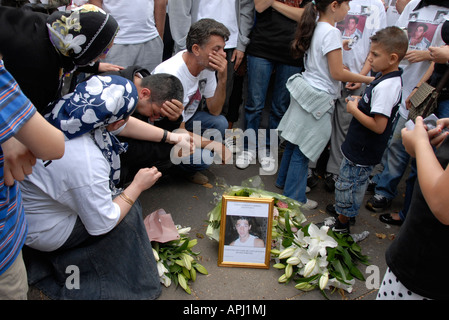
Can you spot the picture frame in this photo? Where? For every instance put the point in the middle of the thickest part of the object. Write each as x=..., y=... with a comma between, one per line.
x=245, y=232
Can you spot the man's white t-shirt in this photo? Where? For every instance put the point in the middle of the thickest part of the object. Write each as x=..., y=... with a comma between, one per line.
x=135, y=19
x=413, y=72
x=370, y=16
x=221, y=10
x=75, y=185
x=326, y=38
x=194, y=87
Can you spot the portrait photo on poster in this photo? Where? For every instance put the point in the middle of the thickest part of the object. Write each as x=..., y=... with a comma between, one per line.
x=245, y=232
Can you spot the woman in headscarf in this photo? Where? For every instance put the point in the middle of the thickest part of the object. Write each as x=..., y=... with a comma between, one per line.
x=39, y=49
x=76, y=216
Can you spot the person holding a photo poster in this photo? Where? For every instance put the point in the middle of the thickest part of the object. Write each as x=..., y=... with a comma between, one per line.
x=415, y=65
x=363, y=20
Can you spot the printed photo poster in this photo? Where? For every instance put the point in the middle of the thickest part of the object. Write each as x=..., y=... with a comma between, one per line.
x=421, y=31
x=246, y=221
x=354, y=24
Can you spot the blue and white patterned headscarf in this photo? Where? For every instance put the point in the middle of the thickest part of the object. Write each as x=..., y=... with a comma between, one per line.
x=92, y=106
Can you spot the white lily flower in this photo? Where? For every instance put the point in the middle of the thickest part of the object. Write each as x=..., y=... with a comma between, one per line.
x=304, y=286
x=337, y=284
x=299, y=238
x=324, y=280
x=318, y=240
x=161, y=269
x=156, y=255
x=166, y=281
x=287, y=253
x=293, y=260
x=183, y=230
x=309, y=268
x=288, y=270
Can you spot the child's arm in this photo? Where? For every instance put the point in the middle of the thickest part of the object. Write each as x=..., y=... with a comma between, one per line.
x=36, y=139
x=335, y=60
x=356, y=85
x=43, y=139
x=376, y=124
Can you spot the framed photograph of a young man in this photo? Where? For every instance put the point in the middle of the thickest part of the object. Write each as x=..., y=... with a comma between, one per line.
x=245, y=232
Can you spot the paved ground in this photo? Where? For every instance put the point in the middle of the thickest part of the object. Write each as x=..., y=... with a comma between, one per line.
x=189, y=205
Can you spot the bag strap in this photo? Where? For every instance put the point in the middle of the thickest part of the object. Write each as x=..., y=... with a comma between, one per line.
x=436, y=93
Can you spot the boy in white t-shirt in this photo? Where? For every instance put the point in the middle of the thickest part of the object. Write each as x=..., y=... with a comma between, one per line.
x=367, y=17
x=372, y=122
x=415, y=65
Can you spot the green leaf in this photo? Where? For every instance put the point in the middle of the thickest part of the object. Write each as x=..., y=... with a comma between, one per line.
x=356, y=273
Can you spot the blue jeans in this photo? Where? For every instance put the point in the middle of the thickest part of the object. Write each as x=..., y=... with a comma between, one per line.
x=292, y=174
x=443, y=109
x=350, y=187
x=200, y=123
x=259, y=74
x=395, y=163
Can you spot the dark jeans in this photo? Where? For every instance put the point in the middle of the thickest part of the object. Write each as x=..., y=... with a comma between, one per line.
x=118, y=265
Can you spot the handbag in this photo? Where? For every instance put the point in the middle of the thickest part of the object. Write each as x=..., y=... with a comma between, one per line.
x=425, y=99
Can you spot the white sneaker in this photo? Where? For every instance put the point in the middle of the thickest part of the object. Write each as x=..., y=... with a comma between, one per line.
x=244, y=159
x=268, y=164
x=310, y=204
x=231, y=144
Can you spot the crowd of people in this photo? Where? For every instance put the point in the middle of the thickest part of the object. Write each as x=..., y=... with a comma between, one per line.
x=99, y=98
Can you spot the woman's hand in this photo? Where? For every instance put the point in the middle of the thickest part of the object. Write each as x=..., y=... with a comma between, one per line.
x=145, y=178
x=104, y=67
x=412, y=138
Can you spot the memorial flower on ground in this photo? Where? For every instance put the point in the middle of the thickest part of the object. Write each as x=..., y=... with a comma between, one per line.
x=313, y=257
x=316, y=258
x=176, y=262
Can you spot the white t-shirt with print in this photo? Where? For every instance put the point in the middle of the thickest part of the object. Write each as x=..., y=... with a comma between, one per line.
x=194, y=87
x=221, y=10
x=392, y=13
x=75, y=185
x=135, y=19
x=412, y=20
x=364, y=18
x=326, y=38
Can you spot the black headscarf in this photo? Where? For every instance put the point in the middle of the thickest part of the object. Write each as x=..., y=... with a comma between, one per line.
x=425, y=3
x=82, y=34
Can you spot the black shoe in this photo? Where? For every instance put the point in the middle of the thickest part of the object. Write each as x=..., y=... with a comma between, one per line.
x=312, y=179
x=330, y=208
x=335, y=225
x=329, y=181
x=378, y=203
x=387, y=218
x=371, y=186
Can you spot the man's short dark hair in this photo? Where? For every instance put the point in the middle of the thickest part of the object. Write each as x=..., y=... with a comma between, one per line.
x=201, y=31
x=164, y=87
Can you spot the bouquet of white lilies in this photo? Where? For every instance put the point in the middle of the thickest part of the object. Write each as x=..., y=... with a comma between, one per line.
x=315, y=257
x=312, y=257
x=176, y=262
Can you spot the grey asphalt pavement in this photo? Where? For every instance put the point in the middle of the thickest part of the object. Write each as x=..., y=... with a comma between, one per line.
x=189, y=205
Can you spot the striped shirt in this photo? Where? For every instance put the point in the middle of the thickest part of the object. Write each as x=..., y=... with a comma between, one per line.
x=15, y=110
